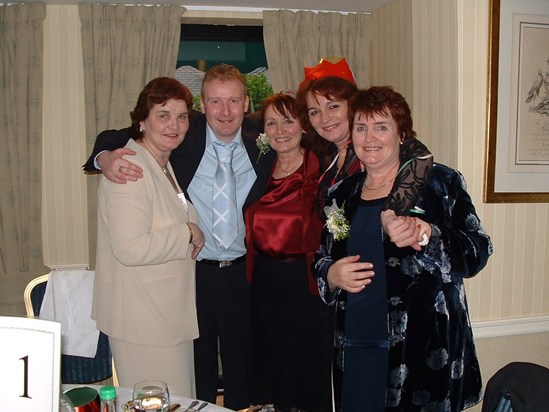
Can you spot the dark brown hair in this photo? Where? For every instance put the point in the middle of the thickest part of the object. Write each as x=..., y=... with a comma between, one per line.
x=158, y=91
x=384, y=101
x=285, y=105
x=333, y=88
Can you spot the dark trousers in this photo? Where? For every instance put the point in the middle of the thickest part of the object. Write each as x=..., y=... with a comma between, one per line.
x=223, y=308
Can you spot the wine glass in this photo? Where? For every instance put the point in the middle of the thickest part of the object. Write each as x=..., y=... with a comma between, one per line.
x=151, y=396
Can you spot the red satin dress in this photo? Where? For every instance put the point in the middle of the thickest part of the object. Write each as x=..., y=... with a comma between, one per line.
x=289, y=321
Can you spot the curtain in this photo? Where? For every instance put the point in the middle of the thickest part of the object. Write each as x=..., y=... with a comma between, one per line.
x=294, y=40
x=123, y=47
x=21, y=48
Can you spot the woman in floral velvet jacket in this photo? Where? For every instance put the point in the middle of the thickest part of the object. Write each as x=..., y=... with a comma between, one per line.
x=403, y=338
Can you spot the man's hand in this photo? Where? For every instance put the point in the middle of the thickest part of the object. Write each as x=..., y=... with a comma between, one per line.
x=404, y=230
x=198, y=239
x=349, y=274
x=116, y=168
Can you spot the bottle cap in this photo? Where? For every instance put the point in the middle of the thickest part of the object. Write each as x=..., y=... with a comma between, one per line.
x=107, y=392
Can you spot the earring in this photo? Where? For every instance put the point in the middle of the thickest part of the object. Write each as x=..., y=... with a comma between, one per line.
x=142, y=129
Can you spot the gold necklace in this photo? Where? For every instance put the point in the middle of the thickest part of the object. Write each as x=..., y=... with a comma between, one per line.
x=287, y=173
x=380, y=187
x=145, y=143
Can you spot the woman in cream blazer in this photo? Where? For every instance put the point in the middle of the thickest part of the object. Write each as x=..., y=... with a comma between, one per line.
x=144, y=292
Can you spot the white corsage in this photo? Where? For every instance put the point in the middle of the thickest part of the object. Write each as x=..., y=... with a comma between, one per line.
x=336, y=222
x=263, y=144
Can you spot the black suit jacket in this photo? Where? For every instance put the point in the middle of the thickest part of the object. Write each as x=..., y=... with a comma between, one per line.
x=187, y=156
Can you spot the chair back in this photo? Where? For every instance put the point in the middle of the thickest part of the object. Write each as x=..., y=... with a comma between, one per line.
x=30, y=359
x=518, y=387
x=74, y=369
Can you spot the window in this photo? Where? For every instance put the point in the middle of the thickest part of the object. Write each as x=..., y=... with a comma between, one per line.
x=205, y=45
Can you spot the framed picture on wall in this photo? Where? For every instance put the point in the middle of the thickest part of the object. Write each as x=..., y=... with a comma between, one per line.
x=517, y=155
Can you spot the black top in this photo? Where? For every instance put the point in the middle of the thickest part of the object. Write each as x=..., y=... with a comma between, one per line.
x=366, y=311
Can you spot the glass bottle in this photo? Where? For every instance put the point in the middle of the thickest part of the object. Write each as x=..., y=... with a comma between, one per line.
x=107, y=395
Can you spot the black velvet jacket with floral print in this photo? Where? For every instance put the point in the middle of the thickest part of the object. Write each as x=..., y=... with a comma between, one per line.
x=432, y=360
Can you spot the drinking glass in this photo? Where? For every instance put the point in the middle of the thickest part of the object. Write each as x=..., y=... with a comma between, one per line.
x=65, y=404
x=151, y=396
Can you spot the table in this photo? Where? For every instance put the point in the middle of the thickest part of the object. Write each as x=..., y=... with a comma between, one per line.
x=123, y=395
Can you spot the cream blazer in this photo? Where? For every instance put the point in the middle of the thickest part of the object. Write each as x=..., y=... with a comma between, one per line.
x=144, y=289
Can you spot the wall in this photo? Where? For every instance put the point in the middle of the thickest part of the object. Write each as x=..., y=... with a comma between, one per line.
x=64, y=217
x=516, y=281
x=392, y=52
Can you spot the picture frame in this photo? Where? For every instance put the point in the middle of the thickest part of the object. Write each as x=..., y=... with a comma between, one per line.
x=517, y=132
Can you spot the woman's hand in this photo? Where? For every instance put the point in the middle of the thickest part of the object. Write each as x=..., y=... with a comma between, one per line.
x=405, y=231
x=349, y=274
x=198, y=239
x=116, y=168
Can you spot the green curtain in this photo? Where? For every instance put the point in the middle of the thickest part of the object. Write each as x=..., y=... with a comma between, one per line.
x=294, y=40
x=21, y=50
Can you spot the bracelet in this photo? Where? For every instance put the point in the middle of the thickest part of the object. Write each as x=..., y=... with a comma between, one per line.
x=190, y=234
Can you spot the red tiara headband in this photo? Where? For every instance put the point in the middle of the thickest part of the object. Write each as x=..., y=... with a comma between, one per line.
x=330, y=67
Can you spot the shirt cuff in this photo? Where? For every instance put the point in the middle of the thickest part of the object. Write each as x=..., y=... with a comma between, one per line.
x=95, y=164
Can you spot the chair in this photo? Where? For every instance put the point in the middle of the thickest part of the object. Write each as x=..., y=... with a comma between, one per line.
x=74, y=369
x=518, y=387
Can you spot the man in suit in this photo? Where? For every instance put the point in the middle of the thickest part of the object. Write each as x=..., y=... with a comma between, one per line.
x=221, y=287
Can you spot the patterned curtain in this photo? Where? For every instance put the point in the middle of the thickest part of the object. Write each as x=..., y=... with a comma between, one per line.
x=21, y=48
x=294, y=40
x=123, y=47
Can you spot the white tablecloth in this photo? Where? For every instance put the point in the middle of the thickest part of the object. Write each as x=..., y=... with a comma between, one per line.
x=123, y=395
x=68, y=299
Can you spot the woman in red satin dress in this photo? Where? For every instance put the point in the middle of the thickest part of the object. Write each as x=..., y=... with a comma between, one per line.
x=282, y=235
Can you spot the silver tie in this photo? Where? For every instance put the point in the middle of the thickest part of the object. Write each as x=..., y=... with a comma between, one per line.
x=225, y=229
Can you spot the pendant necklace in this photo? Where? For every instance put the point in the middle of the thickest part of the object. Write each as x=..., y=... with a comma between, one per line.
x=285, y=173
x=288, y=172
x=165, y=170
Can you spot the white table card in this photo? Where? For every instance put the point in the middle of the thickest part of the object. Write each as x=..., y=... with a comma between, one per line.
x=30, y=361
